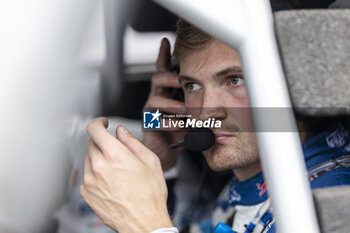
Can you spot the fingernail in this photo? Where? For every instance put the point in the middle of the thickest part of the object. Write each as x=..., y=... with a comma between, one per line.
x=163, y=42
x=123, y=130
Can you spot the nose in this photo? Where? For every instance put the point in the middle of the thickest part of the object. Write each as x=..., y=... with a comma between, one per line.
x=212, y=106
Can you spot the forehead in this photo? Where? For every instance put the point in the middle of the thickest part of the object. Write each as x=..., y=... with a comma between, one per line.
x=211, y=59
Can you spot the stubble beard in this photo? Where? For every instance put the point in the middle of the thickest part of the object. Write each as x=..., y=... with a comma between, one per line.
x=232, y=156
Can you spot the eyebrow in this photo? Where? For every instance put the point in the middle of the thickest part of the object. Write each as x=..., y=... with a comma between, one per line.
x=186, y=78
x=234, y=69
x=224, y=72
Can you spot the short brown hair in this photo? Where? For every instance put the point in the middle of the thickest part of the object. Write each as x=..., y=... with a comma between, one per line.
x=189, y=37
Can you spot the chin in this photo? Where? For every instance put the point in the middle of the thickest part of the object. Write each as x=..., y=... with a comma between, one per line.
x=219, y=158
x=218, y=167
x=227, y=157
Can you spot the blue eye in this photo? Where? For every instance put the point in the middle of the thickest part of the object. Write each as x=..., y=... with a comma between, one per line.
x=192, y=87
x=236, y=80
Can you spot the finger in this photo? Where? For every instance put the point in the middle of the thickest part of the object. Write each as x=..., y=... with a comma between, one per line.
x=132, y=143
x=173, y=125
x=93, y=150
x=87, y=165
x=165, y=79
x=166, y=105
x=170, y=125
x=96, y=159
x=175, y=137
x=103, y=139
x=87, y=178
x=163, y=60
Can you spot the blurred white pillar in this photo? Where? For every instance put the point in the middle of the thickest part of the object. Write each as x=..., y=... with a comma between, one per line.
x=44, y=81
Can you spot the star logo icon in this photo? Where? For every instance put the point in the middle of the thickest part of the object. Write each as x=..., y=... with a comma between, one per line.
x=156, y=115
x=151, y=120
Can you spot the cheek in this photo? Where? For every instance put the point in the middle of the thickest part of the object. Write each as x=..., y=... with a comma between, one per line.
x=232, y=97
x=240, y=110
x=243, y=118
x=192, y=106
x=192, y=101
x=240, y=95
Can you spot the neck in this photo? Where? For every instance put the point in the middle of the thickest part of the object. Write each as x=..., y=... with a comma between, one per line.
x=247, y=172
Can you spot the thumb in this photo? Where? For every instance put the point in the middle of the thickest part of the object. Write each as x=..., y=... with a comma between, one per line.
x=132, y=143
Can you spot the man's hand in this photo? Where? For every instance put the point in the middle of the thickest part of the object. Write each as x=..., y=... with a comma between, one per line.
x=160, y=98
x=123, y=181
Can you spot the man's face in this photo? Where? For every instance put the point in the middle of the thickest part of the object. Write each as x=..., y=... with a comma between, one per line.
x=213, y=82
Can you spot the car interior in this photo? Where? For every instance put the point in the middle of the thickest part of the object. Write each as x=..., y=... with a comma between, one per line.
x=113, y=46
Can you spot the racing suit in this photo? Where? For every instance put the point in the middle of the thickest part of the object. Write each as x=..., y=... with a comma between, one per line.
x=245, y=206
